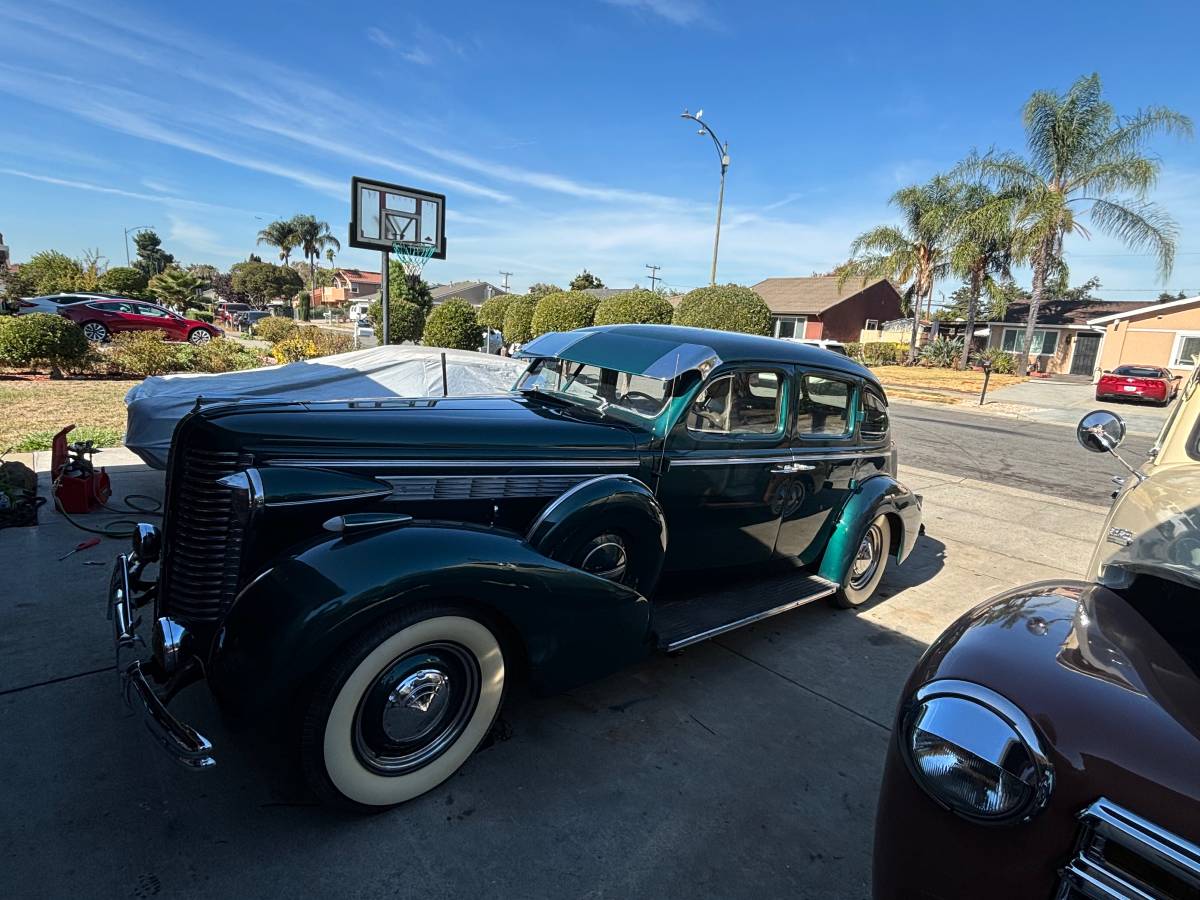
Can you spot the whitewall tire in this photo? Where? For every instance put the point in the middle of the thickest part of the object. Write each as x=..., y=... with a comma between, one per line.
x=868, y=565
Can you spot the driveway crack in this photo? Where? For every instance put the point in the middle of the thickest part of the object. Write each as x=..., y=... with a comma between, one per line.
x=49, y=681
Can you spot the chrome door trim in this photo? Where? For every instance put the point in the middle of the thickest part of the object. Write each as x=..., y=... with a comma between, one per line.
x=456, y=463
x=799, y=457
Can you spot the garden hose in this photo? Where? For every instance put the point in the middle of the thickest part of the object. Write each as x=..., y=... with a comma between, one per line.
x=110, y=529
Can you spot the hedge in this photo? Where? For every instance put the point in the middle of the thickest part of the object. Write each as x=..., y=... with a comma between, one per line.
x=518, y=319
x=491, y=314
x=43, y=339
x=452, y=325
x=878, y=353
x=406, y=321
x=274, y=328
x=725, y=307
x=563, y=311
x=638, y=306
x=310, y=342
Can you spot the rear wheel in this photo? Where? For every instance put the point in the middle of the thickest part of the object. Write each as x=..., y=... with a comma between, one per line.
x=95, y=332
x=199, y=336
x=400, y=710
x=867, y=567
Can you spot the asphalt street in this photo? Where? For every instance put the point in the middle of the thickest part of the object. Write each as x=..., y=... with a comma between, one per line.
x=1040, y=458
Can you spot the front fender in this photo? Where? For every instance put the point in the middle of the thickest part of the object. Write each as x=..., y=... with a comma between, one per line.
x=285, y=624
x=875, y=495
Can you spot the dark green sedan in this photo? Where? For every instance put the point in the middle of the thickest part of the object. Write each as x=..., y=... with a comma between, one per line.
x=374, y=571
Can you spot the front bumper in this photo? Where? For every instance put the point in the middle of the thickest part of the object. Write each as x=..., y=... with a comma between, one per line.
x=181, y=742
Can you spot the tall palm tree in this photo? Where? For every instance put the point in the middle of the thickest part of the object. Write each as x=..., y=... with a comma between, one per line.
x=914, y=253
x=313, y=237
x=982, y=246
x=282, y=235
x=1083, y=158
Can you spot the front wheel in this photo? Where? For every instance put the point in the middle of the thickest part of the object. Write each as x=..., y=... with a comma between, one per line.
x=400, y=710
x=867, y=567
x=95, y=332
x=199, y=336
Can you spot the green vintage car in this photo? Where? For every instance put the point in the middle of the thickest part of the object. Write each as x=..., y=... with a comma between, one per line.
x=380, y=569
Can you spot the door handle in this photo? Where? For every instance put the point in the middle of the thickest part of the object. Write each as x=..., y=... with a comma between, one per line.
x=791, y=468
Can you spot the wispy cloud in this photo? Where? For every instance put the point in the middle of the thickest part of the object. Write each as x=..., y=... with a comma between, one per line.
x=77, y=185
x=380, y=38
x=677, y=12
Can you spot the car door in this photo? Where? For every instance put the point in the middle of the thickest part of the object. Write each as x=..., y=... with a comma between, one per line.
x=117, y=315
x=154, y=317
x=727, y=461
x=825, y=446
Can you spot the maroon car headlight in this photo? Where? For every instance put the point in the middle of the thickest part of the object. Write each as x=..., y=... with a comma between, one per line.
x=975, y=753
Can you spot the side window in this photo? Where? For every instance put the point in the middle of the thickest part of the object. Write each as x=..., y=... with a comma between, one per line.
x=874, y=417
x=823, y=407
x=741, y=403
x=143, y=310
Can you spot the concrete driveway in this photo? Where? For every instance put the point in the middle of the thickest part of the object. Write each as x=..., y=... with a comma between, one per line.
x=1066, y=402
x=747, y=766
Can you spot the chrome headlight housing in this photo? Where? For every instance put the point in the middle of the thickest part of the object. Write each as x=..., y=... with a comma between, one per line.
x=975, y=753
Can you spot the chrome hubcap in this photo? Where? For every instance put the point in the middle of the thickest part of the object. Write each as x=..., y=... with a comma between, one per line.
x=415, y=705
x=866, y=560
x=605, y=556
x=201, y=337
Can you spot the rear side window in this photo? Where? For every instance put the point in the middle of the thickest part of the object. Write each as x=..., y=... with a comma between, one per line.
x=823, y=407
x=874, y=425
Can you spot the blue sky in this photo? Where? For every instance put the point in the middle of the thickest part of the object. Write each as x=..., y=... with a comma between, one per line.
x=553, y=127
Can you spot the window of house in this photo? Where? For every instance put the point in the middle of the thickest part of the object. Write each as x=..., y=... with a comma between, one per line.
x=873, y=409
x=823, y=407
x=871, y=325
x=354, y=287
x=790, y=326
x=1045, y=341
x=1187, y=348
x=742, y=403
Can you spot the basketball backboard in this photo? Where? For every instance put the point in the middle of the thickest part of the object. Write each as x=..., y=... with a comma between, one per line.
x=383, y=214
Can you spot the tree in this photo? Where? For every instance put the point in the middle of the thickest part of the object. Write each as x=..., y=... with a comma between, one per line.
x=914, y=253
x=406, y=321
x=491, y=313
x=640, y=306
x=281, y=235
x=982, y=246
x=413, y=290
x=175, y=286
x=725, y=307
x=91, y=268
x=42, y=339
x=49, y=272
x=563, y=311
x=313, y=237
x=1167, y=297
x=585, y=280
x=540, y=289
x=151, y=258
x=518, y=319
x=1083, y=158
x=304, y=300
x=263, y=282
x=452, y=325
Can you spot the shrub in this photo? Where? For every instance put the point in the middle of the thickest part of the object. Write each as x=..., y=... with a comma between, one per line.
x=218, y=355
x=725, y=307
x=202, y=315
x=308, y=343
x=518, y=319
x=305, y=302
x=563, y=311
x=452, y=325
x=145, y=353
x=1002, y=363
x=638, y=306
x=942, y=353
x=491, y=314
x=123, y=280
x=42, y=339
x=274, y=328
x=406, y=322
x=881, y=353
x=50, y=271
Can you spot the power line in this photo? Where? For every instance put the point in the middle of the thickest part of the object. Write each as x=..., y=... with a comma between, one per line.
x=506, y=277
x=653, y=275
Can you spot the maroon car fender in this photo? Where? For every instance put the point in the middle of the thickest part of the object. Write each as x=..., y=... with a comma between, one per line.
x=1116, y=711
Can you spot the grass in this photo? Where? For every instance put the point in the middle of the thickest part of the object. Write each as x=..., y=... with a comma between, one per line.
x=33, y=411
x=939, y=379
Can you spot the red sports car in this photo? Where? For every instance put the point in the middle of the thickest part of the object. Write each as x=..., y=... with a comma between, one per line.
x=103, y=318
x=1138, y=383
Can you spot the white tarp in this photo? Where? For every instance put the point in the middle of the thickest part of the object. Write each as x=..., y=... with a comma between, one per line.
x=159, y=402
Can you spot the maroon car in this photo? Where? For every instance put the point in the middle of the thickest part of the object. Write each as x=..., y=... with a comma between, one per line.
x=104, y=318
x=1152, y=383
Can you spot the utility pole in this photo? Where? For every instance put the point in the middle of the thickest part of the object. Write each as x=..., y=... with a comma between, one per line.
x=506, y=276
x=654, y=279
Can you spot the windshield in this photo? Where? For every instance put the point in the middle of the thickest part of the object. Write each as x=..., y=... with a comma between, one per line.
x=605, y=390
x=1138, y=371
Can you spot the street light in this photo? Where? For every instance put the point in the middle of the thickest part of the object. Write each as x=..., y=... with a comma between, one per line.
x=723, y=156
x=127, y=230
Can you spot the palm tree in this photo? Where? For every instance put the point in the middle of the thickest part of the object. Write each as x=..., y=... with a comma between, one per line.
x=982, y=246
x=281, y=234
x=313, y=238
x=1083, y=158
x=914, y=253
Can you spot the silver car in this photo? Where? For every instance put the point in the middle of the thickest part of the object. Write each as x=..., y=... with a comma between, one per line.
x=51, y=303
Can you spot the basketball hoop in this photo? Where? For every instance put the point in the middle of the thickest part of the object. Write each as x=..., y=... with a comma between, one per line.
x=412, y=258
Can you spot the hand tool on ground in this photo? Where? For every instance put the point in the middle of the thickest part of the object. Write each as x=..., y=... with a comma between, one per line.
x=82, y=545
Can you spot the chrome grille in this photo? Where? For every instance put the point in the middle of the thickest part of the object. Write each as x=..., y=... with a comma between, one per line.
x=1121, y=855
x=479, y=487
x=204, y=549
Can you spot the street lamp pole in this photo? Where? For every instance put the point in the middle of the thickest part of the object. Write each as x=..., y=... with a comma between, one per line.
x=127, y=230
x=723, y=156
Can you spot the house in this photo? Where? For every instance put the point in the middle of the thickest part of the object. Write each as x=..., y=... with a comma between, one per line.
x=348, y=284
x=817, y=307
x=1156, y=334
x=1064, y=340
x=474, y=292
x=5, y=257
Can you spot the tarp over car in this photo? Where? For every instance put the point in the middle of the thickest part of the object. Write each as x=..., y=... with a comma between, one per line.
x=156, y=405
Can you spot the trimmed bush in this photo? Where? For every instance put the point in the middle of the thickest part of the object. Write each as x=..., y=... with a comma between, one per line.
x=452, y=325
x=274, y=328
x=518, y=319
x=42, y=340
x=309, y=343
x=305, y=304
x=639, y=307
x=563, y=311
x=725, y=307
x=200, y=315
x=491, y=314
x=145, y=353
x=1002, y=363
x=880, y=353
x=123, y=280
x=406, y=322
x=217, y=355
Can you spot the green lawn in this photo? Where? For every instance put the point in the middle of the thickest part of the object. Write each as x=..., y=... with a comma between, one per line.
x=31, y=412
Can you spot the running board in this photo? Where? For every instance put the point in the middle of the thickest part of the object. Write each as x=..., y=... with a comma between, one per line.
x=682, y=622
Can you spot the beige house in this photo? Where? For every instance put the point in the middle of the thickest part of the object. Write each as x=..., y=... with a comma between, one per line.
x=1158, y=334
x=1064, y=340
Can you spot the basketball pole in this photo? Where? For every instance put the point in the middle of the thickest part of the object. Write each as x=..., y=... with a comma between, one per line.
x=384, y=297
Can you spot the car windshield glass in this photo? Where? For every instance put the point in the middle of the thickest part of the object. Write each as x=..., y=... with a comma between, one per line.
x=605, y=390
x=1138, y=371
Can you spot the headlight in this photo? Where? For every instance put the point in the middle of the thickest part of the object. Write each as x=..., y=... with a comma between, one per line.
x=975, y=753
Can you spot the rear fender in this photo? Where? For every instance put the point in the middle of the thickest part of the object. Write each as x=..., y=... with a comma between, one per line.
x=285, y=624
x=873, y=496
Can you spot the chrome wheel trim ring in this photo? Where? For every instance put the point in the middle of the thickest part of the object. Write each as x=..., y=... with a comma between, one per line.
x=866, y=559
x=605, y=557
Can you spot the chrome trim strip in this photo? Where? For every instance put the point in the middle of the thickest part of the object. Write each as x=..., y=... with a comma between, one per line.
x=799, y=457
x=558, y=501
x=456, y=463
x=829, y=588
x=365, y=495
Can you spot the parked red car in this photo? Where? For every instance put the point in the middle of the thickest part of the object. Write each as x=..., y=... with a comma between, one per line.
x=226, y=311
x=103, y=318
x=1138, y=383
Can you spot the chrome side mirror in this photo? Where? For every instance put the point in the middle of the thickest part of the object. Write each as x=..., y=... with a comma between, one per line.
x=1100, y=431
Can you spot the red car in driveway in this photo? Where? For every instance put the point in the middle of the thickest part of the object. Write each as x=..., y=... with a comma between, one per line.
x=1138, y=383
x=103, y=318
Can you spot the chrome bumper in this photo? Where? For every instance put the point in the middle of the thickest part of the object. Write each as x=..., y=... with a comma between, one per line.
x=181, y=742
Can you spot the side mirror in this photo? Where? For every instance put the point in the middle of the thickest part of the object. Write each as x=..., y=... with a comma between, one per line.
x=1100, y=431
x=1106, y=371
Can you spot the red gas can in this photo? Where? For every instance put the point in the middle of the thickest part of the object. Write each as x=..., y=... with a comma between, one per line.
x=79, y=486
